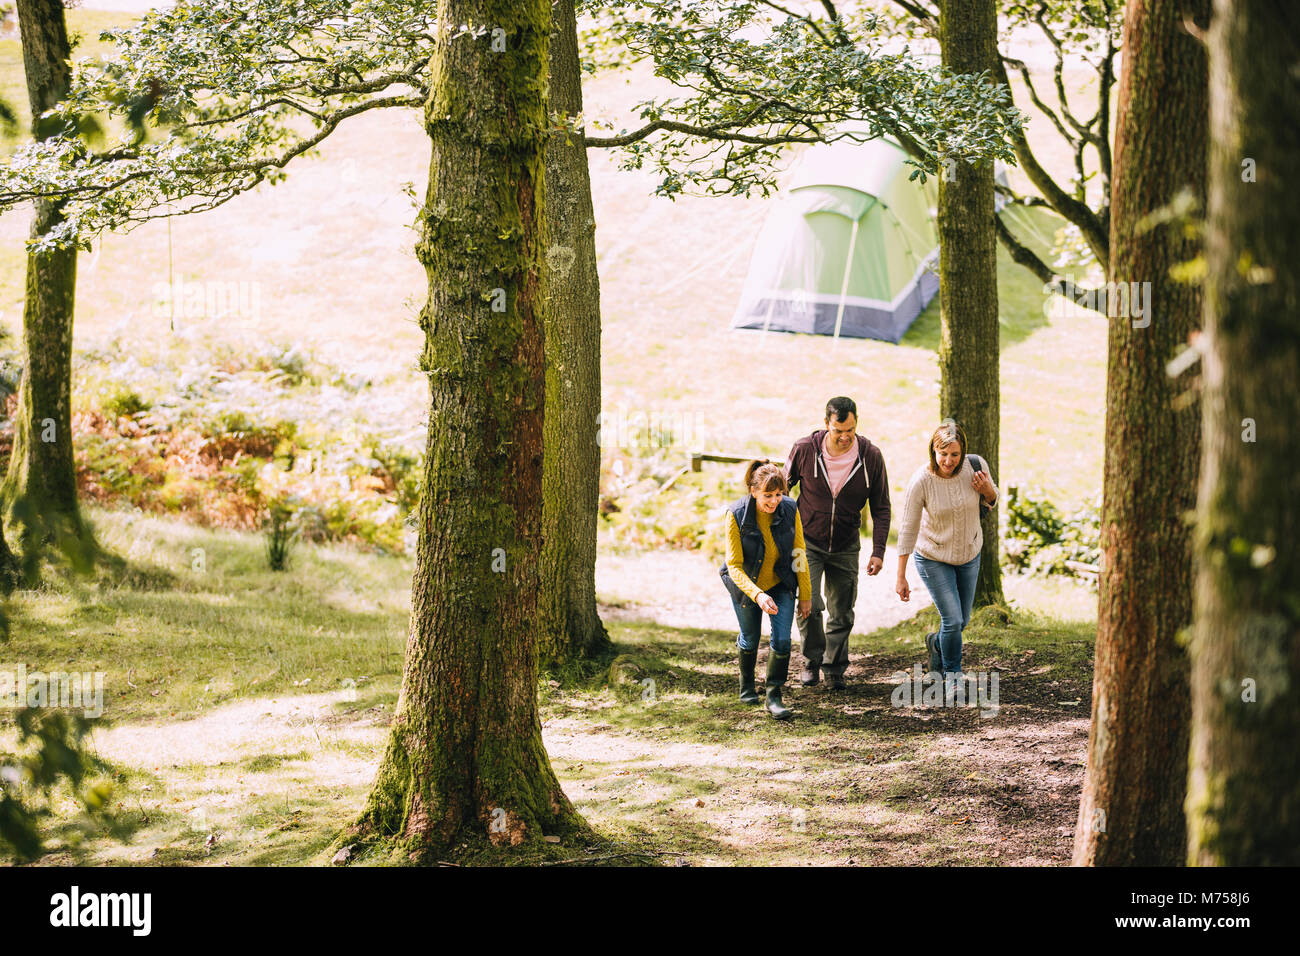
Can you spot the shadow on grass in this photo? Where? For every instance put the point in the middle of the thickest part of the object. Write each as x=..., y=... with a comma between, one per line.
x=663, y=751
x=211, y=638
x=73, y=839
x=1043, y=666
x=1020, y=293
x=652, y=746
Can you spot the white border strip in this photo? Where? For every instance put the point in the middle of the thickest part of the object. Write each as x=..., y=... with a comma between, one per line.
x=828, y=298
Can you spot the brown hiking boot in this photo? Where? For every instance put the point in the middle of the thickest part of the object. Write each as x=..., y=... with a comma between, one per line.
x=809, y=675
x=835, y=681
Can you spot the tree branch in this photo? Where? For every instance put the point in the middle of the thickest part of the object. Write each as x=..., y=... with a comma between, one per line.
x=1023, y=255
x=1019, y=66
x=812, y=24
x=923, y=16
x=1072, y=209
x=329, y=123
x=716, y=132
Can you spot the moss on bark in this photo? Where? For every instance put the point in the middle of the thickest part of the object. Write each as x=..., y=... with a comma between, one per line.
x=39, y=492
x=969, y=348
x=1132, y=807
x=465, y=758
x=1243, y=795
x=569, y=629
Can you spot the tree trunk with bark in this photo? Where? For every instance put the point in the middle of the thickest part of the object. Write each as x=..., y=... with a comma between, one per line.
x=569, y=627
x=465, y=759
x=1131, y=813
x=969, y=353
x=40, y=486
x=1243, y=801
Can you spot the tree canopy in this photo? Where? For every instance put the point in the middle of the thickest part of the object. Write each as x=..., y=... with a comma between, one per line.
x=209, y=100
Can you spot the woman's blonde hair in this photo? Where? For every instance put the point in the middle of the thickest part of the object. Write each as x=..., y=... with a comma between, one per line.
x=947, y=433
x=762, y=475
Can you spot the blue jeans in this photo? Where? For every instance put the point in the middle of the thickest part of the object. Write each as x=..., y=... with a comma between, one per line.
x=952, y=587
x=751, y=619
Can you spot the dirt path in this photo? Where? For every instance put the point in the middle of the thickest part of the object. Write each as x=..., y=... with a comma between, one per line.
x=853, y=779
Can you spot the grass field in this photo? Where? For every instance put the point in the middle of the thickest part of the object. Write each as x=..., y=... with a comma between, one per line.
x=245, y=712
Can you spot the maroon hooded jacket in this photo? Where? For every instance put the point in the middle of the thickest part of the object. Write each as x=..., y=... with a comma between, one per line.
x=831, y=522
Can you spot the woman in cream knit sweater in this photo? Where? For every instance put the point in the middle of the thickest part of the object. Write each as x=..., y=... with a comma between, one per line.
x=941, y=524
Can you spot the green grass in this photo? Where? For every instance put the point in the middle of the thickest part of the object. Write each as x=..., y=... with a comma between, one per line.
x=760, y=393
x=200, y=620
x=1020, y=294
x=222, y=753
x=850, y=778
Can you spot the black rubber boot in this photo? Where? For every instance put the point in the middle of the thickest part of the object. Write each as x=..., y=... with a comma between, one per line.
x=747, y=661
x=778, y=668
x=932, y=647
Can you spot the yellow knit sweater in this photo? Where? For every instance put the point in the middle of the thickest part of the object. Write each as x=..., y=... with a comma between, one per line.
x=767, y=572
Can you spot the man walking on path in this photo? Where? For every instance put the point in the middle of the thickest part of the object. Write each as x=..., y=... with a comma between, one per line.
x=838, y=472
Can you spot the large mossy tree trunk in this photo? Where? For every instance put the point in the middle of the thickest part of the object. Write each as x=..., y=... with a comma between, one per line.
x=40, y=486
x=1243, y=800
x=465, y=759
x=568, y=626
x=1131, y=813
x=969, y=353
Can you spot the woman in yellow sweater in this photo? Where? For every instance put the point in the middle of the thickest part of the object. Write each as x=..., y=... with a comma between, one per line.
x=766, y=565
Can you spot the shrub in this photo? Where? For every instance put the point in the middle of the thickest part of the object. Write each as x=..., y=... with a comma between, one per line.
x=402, y=471
x=231, y=429
x=124, y=403
x=232, y=433
x=1039, y=539
x=639, y=509
x=281, y=532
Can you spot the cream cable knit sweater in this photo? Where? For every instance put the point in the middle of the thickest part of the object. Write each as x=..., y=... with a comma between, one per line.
x=941, y=516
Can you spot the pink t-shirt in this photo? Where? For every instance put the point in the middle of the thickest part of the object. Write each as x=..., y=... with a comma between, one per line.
x=837, y=469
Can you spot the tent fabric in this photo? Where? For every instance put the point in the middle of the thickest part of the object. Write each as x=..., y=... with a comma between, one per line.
x=851, y=250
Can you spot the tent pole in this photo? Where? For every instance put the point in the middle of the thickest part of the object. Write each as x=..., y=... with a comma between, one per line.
x=844, y=286
x=767, y=319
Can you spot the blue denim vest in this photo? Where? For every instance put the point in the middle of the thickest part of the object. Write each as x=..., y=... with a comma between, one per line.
x=753, y=549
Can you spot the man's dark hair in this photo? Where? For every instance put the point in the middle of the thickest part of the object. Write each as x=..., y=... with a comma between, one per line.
x=841, y=408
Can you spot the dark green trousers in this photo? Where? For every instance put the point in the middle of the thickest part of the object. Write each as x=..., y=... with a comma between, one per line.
x=825, y=643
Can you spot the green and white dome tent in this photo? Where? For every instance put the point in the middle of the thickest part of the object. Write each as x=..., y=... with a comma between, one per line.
x=851, y=250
